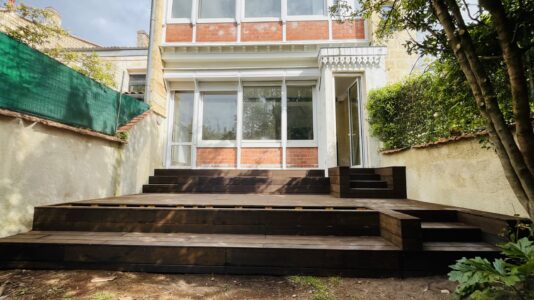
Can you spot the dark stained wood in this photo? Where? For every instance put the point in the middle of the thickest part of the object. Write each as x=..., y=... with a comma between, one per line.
x=208, y=220
x=385, y=183
x=402, y=230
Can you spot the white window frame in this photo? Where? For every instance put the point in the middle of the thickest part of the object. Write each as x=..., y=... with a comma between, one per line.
x=323, y=17
x=217, y=20
x=213, y=143
x=240, y=14
x=171, y=20
x=239, y=143
x=244, y=17
x=170, y=123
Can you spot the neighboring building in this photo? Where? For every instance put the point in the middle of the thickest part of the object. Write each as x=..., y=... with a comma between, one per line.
x=129, y=63
x=265, y=84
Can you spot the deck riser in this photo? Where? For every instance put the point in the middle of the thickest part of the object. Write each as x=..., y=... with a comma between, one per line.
x=229, y=260
x=264, y=173
x=238, y=189
x=203, y=180
x=451, y=235
x=237, y=221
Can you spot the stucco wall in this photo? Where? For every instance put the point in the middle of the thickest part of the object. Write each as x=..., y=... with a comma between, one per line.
x=41, y=165
x=459, y=174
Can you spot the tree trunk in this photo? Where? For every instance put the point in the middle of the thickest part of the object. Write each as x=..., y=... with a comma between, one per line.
x=512, y=161
x=518, y=81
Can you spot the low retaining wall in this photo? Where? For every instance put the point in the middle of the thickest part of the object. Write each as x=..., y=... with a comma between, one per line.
x=459, y=173
x=43, y=165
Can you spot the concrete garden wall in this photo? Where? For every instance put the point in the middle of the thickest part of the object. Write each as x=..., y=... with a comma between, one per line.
x=42, y=165
x=459, y=173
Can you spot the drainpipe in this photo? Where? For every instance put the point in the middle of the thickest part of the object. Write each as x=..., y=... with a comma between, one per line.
x=151, y=46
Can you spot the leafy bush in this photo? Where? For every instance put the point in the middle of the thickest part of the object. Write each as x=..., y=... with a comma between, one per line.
x=511, y=277
x=423, y=109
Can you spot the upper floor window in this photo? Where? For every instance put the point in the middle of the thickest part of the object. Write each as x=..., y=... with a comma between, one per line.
x=181, y=9
x=216, y=9
x=137, y=83
x=262, y=8
x=306, y=8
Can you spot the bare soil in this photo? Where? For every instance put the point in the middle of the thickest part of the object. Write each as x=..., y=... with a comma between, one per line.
x=102, y=285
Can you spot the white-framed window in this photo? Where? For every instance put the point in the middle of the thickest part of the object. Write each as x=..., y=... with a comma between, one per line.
x=181, y=9
x=259, y=122
x=219, y=117
x=300, y=113
x=263, y=8
x=181, y=141
x=262, y=113
x=207, y=11
x=216, y=9
x=306, y=8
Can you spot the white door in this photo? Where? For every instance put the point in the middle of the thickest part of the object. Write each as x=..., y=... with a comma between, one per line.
x=180, y=142
x=355, y=128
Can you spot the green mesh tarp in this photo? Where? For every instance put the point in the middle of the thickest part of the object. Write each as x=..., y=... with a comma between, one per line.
x=33, y=83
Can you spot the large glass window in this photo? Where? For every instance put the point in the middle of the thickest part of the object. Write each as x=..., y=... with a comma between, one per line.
x=306, y=7
x=262, y=8
x=219, y=116
x=182, y=129
x=262, y=112
x=181, y=9
x=299, y=113
x=217, y=9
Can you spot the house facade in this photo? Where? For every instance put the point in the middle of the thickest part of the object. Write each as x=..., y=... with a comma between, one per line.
x=266, y=84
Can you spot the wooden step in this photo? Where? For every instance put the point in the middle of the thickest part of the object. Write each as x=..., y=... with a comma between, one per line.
x=377, y=184
x=238, y=188
x=385, y=193
x=202, y=253
x=436, y=215
x=440, y=255
x=229, y=254
x=232, y=172
x=450, y=232
x=360, y=171
x=297, y=221
x=365, y=177
x=239, y=180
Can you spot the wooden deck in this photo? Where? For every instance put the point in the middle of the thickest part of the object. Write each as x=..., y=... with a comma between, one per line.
x=253, y=234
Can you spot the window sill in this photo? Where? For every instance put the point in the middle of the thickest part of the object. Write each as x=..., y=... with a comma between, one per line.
x=179, y=21
x=216, y=20
x=306, y=18
x=217, y=144
x=258, y=20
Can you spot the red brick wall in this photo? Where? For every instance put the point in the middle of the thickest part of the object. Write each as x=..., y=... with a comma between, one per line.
x=261, y=156
x=213, y=157
x=261, y=31
x=306, y=30
x=250, y=157
x=216, y=32
x=348, y=30
x=179, y=33
x=302, y=158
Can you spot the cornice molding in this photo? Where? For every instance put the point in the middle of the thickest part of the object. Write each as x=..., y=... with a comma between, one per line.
x=352, y=58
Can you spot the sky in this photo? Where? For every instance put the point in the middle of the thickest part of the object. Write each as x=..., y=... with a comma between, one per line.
x=104, y=22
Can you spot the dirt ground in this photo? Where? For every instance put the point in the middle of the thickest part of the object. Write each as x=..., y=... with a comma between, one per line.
x=102, y=285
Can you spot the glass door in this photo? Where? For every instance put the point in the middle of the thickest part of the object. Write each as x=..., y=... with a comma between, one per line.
x=354, y=126
x=181, y=136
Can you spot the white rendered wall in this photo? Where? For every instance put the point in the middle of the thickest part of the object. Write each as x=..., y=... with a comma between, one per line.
x=42, y=165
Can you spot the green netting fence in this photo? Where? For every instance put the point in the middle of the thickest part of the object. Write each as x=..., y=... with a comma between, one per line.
x=33, y=83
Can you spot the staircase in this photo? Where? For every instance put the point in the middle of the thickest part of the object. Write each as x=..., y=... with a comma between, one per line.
x=385, y=183
x=273, y=240
x=238, y=181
